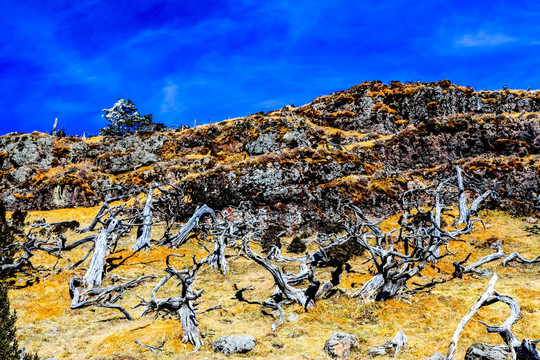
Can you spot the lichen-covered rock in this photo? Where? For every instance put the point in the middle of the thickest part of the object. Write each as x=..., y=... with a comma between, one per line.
x=340, y=345
x=20, y=175
x=27, y=151
x=294, y=138
x=117, y=163
x=481, y=351
x=436, y=356
x=367, y=144
x=263, y=144
x=154, y=143
x=234, y=344
x=78, y=151
x=130, y=153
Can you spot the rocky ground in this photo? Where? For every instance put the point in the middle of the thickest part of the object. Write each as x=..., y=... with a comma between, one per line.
x=368, y=144
x=295, y=166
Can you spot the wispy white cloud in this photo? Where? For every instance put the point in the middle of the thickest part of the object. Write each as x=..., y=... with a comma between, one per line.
x=171, y=101
x=483, y=39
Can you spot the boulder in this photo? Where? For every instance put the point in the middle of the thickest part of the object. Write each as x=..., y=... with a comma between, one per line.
x=234, y=344
x=340, y=345
x=436, y=356
x=481, y=351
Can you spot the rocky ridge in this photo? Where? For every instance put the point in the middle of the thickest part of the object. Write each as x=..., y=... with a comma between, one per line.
x=367, y=144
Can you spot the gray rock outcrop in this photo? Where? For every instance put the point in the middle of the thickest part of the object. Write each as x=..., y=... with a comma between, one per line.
x=340, y=345
x=436, y=356
x=234, y=344
x=481, y=351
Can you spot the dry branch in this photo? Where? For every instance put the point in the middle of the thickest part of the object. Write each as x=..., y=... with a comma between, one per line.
x=103, y=210
x=516, y=257
x=520, y=350
x=479, y=303
x=280, y=279
x=460, y=270
x=104, y=296
x=152, y=348
x=182, y=235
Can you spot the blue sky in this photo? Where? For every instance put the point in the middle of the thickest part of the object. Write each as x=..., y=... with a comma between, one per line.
x=212, y=60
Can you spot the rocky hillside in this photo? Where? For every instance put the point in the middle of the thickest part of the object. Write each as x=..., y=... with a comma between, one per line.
x=368, y=144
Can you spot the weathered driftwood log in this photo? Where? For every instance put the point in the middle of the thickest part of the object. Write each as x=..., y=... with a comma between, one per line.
x=143, y=239
x=390, y=347
x=104, y=297
x=180, y=238
x=485, y=296
x=460, y=270
x=280, y=279
x=520, y=350
x=516, y=257
x=94, y=273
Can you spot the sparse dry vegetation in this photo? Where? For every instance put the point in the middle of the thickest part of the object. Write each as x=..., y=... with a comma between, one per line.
x=286, y=184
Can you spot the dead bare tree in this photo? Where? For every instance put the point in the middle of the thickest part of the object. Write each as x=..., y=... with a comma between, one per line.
x=181, y=306
x=143, y=235
x=94, y=273
x=403, y=253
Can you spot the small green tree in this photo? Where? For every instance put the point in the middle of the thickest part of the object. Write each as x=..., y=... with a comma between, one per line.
x=124, y=119
x=9, y=349
x=10, y=230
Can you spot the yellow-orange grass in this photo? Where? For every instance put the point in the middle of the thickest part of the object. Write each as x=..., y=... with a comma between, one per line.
x=46, y=324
